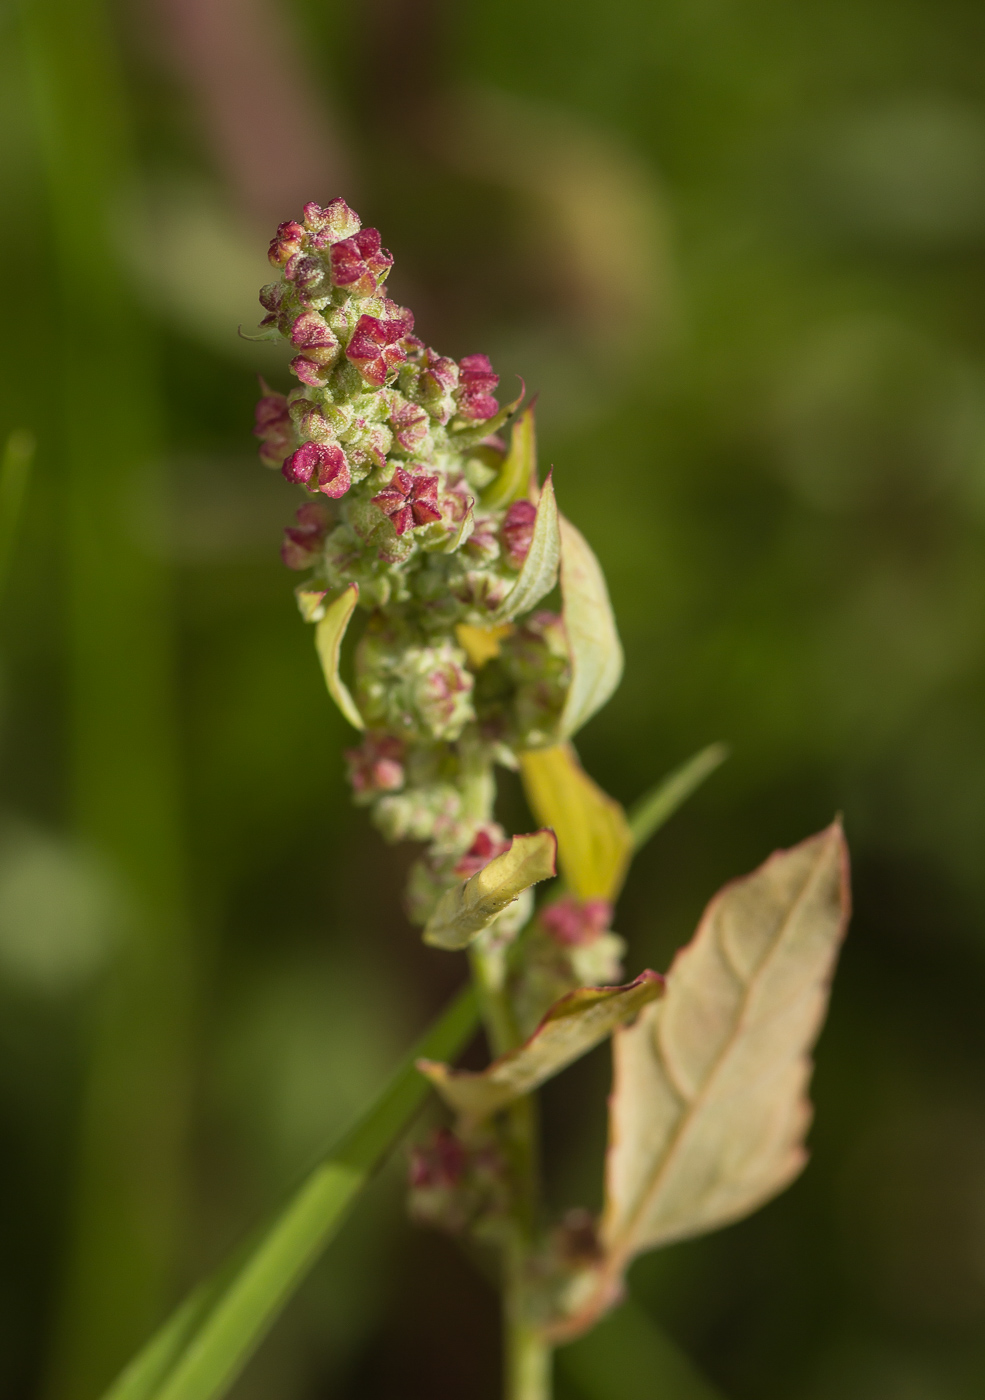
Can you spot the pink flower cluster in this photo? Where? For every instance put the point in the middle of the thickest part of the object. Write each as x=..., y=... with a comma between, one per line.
x=573, y=922
x=477, y=379
x=490, y=841
x=376, y=766
x=303, y=541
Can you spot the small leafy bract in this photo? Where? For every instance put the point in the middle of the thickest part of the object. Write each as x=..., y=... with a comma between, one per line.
x=594, y=840
x=328, y=642
x=539, y=573
x=593, y=642
x=709, y=1110
x=572, y=1027
x=463, y=912
x=519, y=472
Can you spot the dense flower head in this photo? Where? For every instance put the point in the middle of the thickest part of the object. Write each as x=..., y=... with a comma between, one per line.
x=394, y=446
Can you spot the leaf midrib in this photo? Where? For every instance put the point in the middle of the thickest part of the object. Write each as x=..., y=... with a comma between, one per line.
x=620, y=1253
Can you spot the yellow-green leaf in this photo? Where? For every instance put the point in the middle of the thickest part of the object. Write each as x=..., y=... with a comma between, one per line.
x=594, y=842
x=593, y=642
x=710, y=1110
x=519, y=471
x=539, y=573
x=328, y=641
x=463, y=912
x=573, y=1026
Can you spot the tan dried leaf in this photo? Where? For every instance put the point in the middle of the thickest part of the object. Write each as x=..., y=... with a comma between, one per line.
x=463, y=912
x=572, y=1027
x=709, y=1110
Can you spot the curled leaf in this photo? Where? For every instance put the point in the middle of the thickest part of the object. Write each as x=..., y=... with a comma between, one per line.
x=328, y=642
x=593, y=642
x=519, y=471
x=463, y=912
x=709, y=1110
x=593, y=837
x=573, y=1026
x=539, y=573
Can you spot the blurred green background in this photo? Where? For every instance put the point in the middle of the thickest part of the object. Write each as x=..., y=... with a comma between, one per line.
x=739, y=250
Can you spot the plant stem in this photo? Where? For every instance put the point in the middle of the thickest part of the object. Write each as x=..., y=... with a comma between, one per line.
x=527, y=1357
x=528, y=1362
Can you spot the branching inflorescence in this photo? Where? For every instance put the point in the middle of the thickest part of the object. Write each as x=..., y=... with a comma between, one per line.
x=418, y=513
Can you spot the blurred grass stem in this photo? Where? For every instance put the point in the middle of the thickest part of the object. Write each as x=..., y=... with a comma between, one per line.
x=15, y=471
x=128, y=1193
x=648, y=815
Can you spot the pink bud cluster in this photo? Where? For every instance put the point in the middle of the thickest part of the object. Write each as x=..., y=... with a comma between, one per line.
x=393, y=445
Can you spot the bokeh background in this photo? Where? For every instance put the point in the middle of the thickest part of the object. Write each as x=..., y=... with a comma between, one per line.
x=739, y=250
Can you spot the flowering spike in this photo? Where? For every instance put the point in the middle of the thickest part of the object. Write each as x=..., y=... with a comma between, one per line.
x=399, y=435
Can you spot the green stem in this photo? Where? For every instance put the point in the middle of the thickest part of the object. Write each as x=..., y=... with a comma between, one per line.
x=527, y=1358
x=528, y=1362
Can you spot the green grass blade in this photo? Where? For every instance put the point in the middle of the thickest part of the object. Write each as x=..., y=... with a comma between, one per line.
x=15, y=469
x=150, y=1367
x=202, y=1347
x=650, y=812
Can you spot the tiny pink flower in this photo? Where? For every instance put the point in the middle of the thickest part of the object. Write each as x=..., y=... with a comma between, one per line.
x=410, y=426
x=368, y=443
x=273, y=428
x=330, y=224
x=303, y=541
x=440, y=1163
x=574, y=923
x=483, y=543
x=490, y=841
x=320, y=467
x=285, y=243
x=477, y=379
x=308, y=275
x=359, y=264
x=374, y=348
x=310, y=421
x=271, y=297
x=410, y=500
x=517, y=531
x=376, y=766
x=312, y=333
